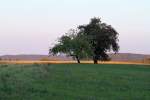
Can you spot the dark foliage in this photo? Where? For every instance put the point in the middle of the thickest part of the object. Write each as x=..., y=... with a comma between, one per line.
x=101, y=37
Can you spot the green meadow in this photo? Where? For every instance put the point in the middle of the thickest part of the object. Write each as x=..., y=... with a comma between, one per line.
x=74, y=82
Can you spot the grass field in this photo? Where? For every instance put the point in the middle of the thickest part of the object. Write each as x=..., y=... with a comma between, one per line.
x=74, y=82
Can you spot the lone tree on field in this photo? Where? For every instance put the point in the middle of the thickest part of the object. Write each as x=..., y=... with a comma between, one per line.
x=101, y=37
x=73, y=45
x=93, y=40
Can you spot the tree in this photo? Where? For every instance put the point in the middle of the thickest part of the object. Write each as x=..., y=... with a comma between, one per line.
x=101, y=37
x=72, y=44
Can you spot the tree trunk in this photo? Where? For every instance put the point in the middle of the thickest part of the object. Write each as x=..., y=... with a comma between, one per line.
x=78, y=60
x=95, y=60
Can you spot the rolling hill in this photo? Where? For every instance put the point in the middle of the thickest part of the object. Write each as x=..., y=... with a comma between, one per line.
x=115, y=57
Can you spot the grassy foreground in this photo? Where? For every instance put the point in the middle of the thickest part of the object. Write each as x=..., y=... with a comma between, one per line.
x=74, y=82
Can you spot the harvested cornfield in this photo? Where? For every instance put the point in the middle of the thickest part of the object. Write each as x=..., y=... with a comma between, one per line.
x=70, y=62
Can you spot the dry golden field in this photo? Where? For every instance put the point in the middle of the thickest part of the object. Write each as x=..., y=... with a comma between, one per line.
x=70, y=62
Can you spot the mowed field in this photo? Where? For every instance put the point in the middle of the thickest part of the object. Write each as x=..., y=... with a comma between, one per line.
x=74, y=82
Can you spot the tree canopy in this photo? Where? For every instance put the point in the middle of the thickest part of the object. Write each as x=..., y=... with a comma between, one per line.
x=73, y=45
x=93, y=40
x=102, y=38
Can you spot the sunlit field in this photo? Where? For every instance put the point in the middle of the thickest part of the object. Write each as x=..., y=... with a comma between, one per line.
x=74, y=82
x=71, y=62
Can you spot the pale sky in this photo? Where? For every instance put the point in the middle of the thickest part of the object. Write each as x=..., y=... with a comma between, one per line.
x=32, y=26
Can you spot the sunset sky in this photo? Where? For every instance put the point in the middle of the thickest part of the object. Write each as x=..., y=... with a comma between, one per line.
x=32, y=26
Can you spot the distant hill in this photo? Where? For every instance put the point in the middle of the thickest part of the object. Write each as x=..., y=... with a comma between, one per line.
x=34, y=57
x=128, y=57
x=114, y=57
